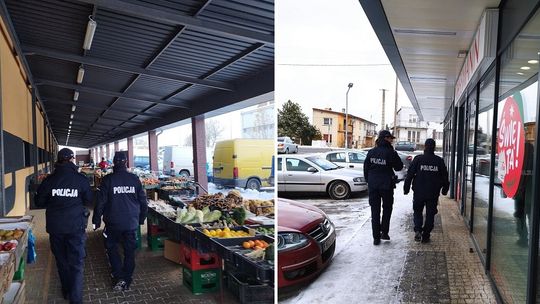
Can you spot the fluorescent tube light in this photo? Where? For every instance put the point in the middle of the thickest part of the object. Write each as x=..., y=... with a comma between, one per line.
x=80, y=75
x=90, y=30
x=71, y=116
x=75, y=95
x=73, y=108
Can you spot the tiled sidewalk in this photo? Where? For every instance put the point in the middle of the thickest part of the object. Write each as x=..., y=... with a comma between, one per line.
x=156, y=280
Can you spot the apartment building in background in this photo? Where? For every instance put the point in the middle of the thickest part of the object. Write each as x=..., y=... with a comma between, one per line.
x=361, y=132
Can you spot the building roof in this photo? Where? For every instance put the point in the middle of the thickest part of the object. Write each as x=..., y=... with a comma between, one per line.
x=341, y=113
x=151, y=63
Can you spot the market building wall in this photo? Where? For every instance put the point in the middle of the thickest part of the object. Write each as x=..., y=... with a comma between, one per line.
x=18, y=131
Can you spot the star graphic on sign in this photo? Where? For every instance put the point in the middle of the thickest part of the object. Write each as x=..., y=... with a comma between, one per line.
x=511, y=111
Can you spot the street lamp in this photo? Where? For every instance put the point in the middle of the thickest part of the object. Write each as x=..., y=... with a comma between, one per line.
x=347, y=115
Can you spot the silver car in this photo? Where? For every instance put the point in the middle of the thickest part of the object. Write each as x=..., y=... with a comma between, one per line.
x=286, y=145
x=312, y=173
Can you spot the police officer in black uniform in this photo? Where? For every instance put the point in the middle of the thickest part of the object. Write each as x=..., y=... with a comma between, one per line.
x=122, y=203
x=64, y=194
x=428, y=175
x=378, y=172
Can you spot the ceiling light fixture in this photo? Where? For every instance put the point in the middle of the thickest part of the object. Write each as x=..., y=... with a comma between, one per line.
x=71, y=116
x=90, y=31
x=70, y=122
x=519, y=73
x=462, y=54
x=80, y=74
x=525, y=68
x=75, y=95
x=73, y=108
x=533, y=61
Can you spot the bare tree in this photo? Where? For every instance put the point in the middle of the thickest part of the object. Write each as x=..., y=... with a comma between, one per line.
x=213, y=131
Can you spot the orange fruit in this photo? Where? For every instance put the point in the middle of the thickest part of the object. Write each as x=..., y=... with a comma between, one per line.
x=246, y=245
x=251, y=243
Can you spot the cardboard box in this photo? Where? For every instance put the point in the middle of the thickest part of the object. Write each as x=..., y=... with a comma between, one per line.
x=171, y=251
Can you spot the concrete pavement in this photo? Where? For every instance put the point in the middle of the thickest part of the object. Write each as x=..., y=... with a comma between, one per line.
x=402, y=270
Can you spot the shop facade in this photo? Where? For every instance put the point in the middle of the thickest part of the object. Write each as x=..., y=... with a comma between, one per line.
x=490, y=147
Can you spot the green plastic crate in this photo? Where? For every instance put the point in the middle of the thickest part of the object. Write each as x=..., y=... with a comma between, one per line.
x=139, y=238
x=156, y=242
x=19, y=274
x=201, y=281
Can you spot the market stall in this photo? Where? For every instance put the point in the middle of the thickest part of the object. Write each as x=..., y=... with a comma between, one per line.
x=14, y=232
x=221, y=241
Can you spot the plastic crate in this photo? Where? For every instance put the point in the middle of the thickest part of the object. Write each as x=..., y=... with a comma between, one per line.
x=263, y=226
x=201, y=281
x=195, y=260
x=248, y=291
x=19, y=274
x=225, y=247
x=206, y=244
x=260, y=270
x=155, y=243
x=193, y=239
x=155, y=230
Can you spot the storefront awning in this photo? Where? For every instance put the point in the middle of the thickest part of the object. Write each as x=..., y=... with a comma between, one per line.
x=427, y=42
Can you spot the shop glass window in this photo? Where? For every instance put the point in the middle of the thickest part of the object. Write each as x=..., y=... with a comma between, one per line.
x=512, y=194
x=484, y=138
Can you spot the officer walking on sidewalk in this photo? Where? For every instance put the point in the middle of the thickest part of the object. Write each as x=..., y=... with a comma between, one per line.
x=64, y=194
x=428, y=175
x=122, y=202
x=378, y=172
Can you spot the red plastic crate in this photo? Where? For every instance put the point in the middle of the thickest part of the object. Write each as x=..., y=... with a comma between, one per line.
x=195, y=260
x=155, y=230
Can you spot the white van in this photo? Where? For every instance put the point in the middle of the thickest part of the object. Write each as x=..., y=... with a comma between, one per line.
x=178, y=161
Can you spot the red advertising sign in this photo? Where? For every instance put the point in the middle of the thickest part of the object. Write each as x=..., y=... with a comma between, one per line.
x=510, y=147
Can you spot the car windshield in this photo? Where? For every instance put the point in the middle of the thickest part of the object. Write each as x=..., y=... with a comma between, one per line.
x=323, y=163
x=280, y=139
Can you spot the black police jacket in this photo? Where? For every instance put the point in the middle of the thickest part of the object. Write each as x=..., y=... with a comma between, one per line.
x=121, y=201
x=428, y=175
x=379, y=166
x=64, y=194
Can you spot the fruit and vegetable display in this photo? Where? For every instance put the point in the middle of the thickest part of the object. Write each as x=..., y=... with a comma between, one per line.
x=255, y=244
x=264, y=230
x=149, y=181
x=192, y=215
x=163, y=207
x=8, y=246
x=8, y=235
x=219, y=201
x=260, y=207
x=225, y=233
x=260, y=254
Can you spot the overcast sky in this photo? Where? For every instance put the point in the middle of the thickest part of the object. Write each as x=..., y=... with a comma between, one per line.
x=322, y=32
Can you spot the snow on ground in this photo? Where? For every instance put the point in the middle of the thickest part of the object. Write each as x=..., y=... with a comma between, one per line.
x=246, y=193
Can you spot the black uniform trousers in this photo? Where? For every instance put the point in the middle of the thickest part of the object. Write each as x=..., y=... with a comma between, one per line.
x=375, y=197
x=431, y=210
x=69, y=253
x=121, y=270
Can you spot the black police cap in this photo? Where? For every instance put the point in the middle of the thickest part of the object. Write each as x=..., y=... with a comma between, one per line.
x=65, y=154
x=430, y=143
x=120, y=157
x=385, y=133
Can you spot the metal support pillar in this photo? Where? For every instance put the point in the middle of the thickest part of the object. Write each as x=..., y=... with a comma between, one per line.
x=199, y=150
x=130, y=151
x=153, y=150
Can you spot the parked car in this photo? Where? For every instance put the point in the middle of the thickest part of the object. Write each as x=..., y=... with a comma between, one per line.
x=142, y=162
x=312, y=173
x=406, y=159
x=286, y=145
x=405, y=146
x=352, y=159
x=178, y=161
x=306, y=242
x=244, y=163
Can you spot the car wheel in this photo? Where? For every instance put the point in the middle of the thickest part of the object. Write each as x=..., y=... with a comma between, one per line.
x=286, y=150
x=339, y=190
x=184, y=173
x=253, y=184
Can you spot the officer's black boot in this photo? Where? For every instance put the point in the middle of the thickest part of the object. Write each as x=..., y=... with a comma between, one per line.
x=418, y=236
x=376, y=241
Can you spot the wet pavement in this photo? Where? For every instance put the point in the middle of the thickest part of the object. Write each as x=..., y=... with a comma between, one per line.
x=447, y=270
x=156, y=279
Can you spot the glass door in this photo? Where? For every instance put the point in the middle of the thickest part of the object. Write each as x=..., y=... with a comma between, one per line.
x=470, y=134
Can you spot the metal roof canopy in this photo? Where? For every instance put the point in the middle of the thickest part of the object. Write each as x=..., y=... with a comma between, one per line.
x=151, y=63
x=423, y=40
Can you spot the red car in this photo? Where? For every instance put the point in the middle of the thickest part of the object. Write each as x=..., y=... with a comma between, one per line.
x=306, y=242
